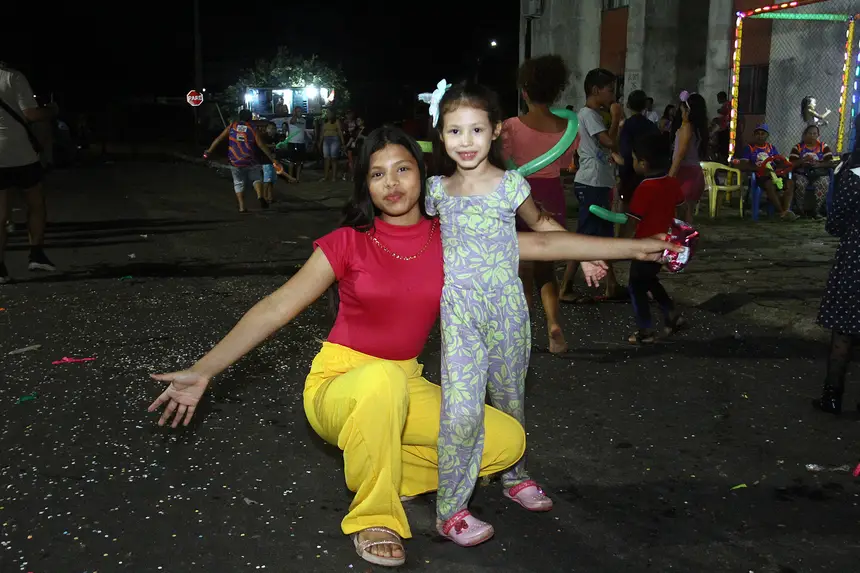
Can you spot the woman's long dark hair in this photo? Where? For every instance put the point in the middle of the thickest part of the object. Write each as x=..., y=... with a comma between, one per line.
x=667, y=112
x=699, y=120
x=472, y=95
x=359, y=212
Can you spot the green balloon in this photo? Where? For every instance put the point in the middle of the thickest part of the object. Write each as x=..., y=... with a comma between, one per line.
x=558, y=149
x=426, y=146
x=607, y=215
x=286, y=142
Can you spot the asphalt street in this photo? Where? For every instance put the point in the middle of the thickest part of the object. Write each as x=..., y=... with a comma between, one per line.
x=686, y=456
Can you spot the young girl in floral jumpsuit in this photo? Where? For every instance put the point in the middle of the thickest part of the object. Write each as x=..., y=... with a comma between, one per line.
x=485, y=320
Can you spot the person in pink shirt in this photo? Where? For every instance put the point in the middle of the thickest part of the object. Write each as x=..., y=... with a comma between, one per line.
x=529, y=136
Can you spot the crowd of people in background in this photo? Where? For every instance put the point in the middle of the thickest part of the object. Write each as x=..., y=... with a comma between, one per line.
x=696, y=137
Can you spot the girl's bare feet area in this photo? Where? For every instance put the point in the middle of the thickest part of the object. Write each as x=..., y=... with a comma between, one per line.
x=557, y=343
x=380, y=546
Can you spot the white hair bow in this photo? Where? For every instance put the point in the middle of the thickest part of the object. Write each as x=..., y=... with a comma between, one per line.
x=434, y=99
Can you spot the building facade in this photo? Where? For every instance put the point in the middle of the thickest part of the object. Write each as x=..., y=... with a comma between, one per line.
x=660, y=46
x=666, y=46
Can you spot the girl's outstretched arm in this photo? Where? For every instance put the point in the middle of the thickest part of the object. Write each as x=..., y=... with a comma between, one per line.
x=555, y=246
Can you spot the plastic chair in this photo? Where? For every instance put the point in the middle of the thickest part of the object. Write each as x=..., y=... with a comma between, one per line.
x=710, y=170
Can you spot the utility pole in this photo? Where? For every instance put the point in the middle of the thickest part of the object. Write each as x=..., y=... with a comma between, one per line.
x=198, y=67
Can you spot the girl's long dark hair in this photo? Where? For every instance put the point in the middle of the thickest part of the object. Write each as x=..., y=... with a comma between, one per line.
x=667, y=112
x=804, y=104
x=472, y=95
x=359, y=212
x=699, y=120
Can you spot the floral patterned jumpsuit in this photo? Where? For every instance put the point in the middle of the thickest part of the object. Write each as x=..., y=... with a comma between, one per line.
x=486, y=336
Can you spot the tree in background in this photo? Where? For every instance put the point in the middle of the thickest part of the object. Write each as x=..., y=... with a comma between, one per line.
x=286, y=70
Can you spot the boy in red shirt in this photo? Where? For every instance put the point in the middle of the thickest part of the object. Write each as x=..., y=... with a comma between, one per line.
x=651, y=212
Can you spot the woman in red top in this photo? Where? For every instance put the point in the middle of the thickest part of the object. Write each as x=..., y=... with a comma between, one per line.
x=365, y=392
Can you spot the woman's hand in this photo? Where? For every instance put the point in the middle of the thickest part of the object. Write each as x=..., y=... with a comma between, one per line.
x=182, y=396
x=594, y=271
x=652, y=249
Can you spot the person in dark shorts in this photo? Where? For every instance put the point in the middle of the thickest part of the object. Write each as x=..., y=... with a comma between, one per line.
x=595, y=177
x=20, y=165
x=297, y=146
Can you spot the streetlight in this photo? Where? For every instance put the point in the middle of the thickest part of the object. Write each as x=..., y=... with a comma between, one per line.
x=480, y=55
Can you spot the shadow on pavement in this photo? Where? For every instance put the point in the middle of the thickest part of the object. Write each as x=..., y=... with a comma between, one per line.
x=757, y=348
x=141, y=271
x=726, y=303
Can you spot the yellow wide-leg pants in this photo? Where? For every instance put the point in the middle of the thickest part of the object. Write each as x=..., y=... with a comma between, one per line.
x=385, y=417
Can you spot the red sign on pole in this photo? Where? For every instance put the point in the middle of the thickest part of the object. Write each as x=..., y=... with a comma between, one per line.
x=194, y=98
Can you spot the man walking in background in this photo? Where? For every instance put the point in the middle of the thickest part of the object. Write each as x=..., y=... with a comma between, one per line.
x=245, y=146
x=20, y=166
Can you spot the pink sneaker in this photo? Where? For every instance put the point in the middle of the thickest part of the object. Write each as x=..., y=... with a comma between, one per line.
x=464, y=529
x=529, y=495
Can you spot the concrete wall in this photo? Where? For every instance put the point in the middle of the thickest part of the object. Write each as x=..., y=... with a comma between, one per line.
x=613, y=40
x=693, y=46
x=806, y=58
x=666, y=47
x=664, y=40
x=718, y=51
x=571, y=29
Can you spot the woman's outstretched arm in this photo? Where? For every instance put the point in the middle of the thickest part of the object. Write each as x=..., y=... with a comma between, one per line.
x=264, y=319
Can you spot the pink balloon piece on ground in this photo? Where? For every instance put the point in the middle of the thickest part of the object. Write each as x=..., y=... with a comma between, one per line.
x=857, y=471
x=67, y=360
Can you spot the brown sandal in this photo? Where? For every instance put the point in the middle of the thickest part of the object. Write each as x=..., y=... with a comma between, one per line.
x=361, y=547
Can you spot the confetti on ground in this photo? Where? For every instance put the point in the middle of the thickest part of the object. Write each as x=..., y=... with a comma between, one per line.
x=28, y=398
x=819, y=468
x=26, y=349
x=68, y=360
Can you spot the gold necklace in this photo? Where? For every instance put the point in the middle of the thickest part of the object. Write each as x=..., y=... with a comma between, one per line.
x=379, y=244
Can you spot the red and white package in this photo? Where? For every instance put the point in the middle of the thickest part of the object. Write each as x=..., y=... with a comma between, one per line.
x=680, y=233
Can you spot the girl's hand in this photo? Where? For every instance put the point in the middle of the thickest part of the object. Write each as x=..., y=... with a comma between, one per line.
x=182, y=396
x=594, y=271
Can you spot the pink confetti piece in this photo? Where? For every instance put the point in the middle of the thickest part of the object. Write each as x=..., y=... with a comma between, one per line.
x=68, y=360
x=857, y=471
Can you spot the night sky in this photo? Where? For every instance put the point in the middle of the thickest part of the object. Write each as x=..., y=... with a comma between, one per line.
x=94, y=50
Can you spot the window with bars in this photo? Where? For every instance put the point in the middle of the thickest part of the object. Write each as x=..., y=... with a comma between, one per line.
x=613, y=4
